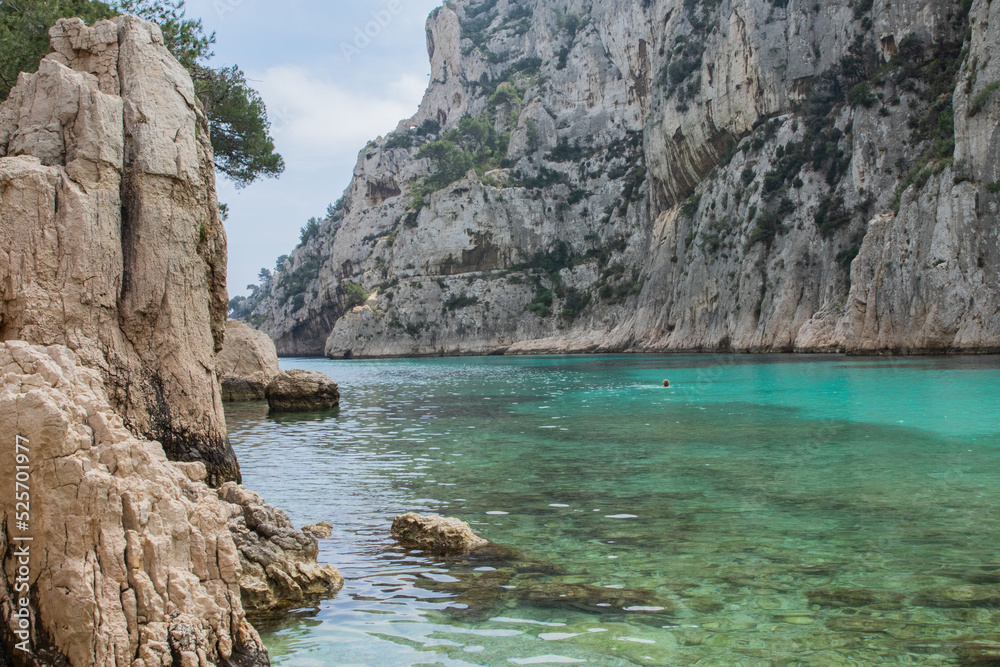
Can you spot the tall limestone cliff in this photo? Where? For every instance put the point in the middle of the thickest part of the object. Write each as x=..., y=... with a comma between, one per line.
x=112, y=311
x=110, y=237
x=609, y=175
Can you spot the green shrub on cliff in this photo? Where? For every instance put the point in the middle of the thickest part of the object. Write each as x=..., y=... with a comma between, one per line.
x=474, y=144
x=354, y=295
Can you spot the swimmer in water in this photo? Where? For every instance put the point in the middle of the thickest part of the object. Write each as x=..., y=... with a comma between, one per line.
x=666, y=383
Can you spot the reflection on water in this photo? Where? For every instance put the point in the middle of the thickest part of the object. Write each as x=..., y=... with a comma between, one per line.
x=775, y=510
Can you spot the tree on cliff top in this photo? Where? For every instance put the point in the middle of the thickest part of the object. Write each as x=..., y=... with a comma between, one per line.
x=244, y=149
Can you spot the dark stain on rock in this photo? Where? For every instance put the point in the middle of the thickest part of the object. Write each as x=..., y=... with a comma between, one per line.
x=485, y=255
x=379, y=191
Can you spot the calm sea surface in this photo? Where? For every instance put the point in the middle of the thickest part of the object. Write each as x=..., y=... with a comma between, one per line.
x=771, y=510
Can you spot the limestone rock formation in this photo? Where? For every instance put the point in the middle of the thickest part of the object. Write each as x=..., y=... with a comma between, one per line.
x=278, y=562
x=246, y=364
x=300, y=390
x=436, y=534
x=131, y=559
x=112, y=311
x=653, y=175
x=110, y=237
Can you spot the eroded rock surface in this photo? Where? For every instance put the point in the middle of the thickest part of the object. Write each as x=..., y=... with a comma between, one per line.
x=246, y=364
x=436, y=534
x=110, y=237
x=112, y=311
x=132, y=561
x=300, y=390
x=278, y=562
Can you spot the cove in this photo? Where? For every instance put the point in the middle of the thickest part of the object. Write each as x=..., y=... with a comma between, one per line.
x=763, y=510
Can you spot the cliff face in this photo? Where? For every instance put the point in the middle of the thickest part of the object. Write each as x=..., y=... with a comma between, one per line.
x=110, y=237
x=666, y=175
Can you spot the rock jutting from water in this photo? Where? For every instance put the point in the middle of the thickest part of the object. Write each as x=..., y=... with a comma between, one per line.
x=657, y=176
x=278, y=561
x=249, y=371
x=302, y=391
x=436, y=534
x=322, y=530
x=246, y=364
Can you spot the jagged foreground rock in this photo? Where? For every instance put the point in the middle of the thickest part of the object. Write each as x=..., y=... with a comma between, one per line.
x=110, y=236
x=132, y=562
x=669, y=175
x=112, y=246
x=278, y=561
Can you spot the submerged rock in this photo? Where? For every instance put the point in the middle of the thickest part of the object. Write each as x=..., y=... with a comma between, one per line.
x=322, y=530
x=485, y=577
x=436, y=534
x=704, y=604
x=302, y=391
x=972, y=595
x=279, y=563
x=855, y=597
x=979, y=654
x=246, y=364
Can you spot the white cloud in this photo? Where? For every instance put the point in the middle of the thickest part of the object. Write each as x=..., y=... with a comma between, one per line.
x=313, y=118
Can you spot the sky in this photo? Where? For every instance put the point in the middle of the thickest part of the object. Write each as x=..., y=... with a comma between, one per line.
x=333, y=75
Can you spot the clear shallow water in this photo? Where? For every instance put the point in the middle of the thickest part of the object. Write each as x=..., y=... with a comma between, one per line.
x=763, y=511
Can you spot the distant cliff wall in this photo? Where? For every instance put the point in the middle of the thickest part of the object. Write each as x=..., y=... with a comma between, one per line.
x=660, y=175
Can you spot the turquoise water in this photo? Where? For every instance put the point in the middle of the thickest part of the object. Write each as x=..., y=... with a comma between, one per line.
x=763, y=511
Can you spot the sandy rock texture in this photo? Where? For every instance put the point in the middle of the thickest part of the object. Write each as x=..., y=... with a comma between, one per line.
x=132, y=561
x=110, y=237
x=300, y=390
x=322, y=530
x=436, y=534
x=246, y=364
x=133, y=555
x=705, y=176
